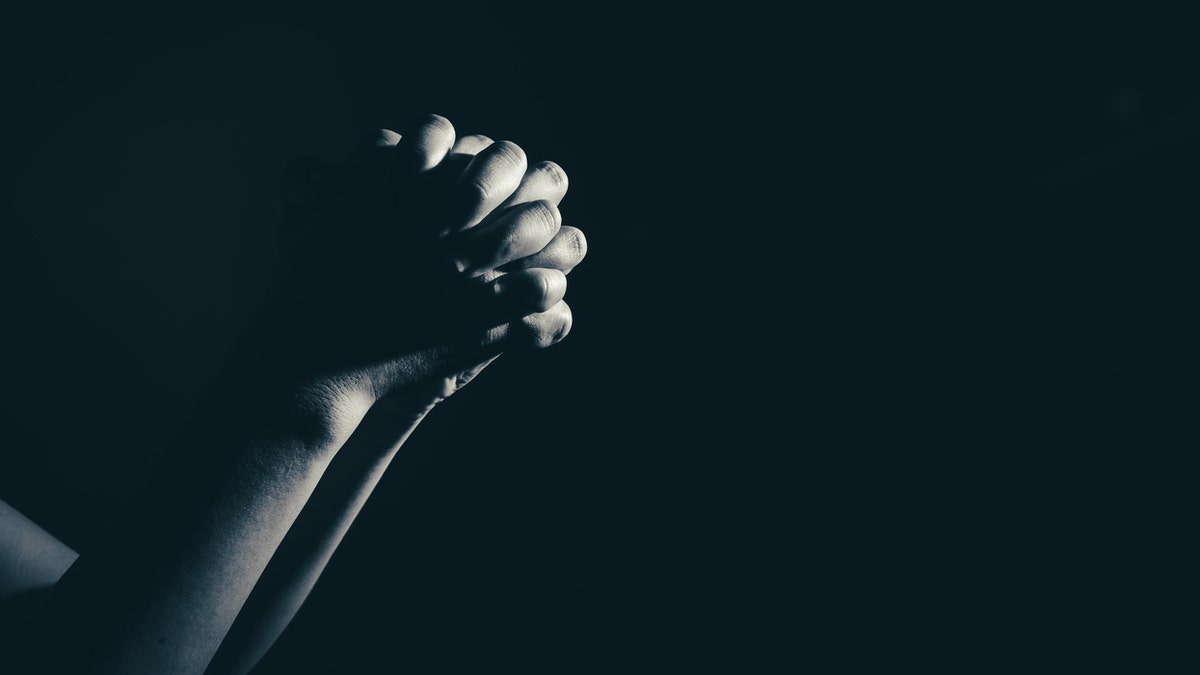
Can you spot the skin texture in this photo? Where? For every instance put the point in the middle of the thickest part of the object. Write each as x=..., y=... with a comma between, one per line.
x=361, y=462
x=409, y=268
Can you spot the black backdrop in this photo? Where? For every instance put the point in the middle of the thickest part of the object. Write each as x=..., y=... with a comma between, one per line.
x=884, y=351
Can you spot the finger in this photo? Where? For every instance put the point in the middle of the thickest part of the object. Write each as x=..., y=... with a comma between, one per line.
x=470, y=145
x=422, y=146
x=539, y=330
x=566, y=250
x=461, y=154
x=547, y=328
x=527, y=291
x=522, y=231
x=490, y=178
x=456, y=161
x=386, y=138
x=544, y=180
x=482, y=305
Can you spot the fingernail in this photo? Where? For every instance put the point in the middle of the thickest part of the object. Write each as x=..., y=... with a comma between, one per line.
x=462, y=264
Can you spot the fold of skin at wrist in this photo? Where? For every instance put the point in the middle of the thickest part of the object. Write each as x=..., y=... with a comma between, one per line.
x=293, y=373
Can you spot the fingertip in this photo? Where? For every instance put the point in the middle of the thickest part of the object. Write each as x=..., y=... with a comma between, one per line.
x=544, y=180
x=425, y=142
x=553, y=213
x=429, y=120
x=549, y=328
x=555, y=280
x=550, y=285
x=553, y=174
x=573, y=247
x=386, y=138
x=566, y=323
x=490, y=178
x=576, y=242
x=510, y=153
x=539, y=330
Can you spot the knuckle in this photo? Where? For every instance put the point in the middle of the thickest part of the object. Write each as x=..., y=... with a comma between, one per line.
x=543, y=290
x=543, y=216
x=432, y=129
x=426, y=143
x=475, y=192
x=499, y=164
x=576, y=243
x=540, y=332
x=554, y=287
x=549, y=327
x=508, y=153
x=437, y=131
x=431, y=123
x=553, y=173
x=507, y=246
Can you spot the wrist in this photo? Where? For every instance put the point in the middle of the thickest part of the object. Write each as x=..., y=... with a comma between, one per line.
x=320, y=412
x=278, y=398
x=263, y=398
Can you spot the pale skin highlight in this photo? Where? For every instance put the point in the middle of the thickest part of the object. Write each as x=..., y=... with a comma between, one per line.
x=216, y=556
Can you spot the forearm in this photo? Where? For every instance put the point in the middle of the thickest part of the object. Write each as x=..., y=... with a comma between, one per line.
x=363, y=299
x=316, y=534
x=163, y=586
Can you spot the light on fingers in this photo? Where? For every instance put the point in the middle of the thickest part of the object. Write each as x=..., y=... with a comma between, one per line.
x=532, y=290
x=488, y=180
x=566, y=250
x=423, y=146
x=522, y=231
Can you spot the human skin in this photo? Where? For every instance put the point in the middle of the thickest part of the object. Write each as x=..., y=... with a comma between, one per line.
x=404, y=281
x=361, y=462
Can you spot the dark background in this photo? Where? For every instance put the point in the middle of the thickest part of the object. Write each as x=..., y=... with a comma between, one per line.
x=884, y=354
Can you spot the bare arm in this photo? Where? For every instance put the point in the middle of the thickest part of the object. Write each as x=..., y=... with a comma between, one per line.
x=361, y=463
x=314, y=537
x=160, y=592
